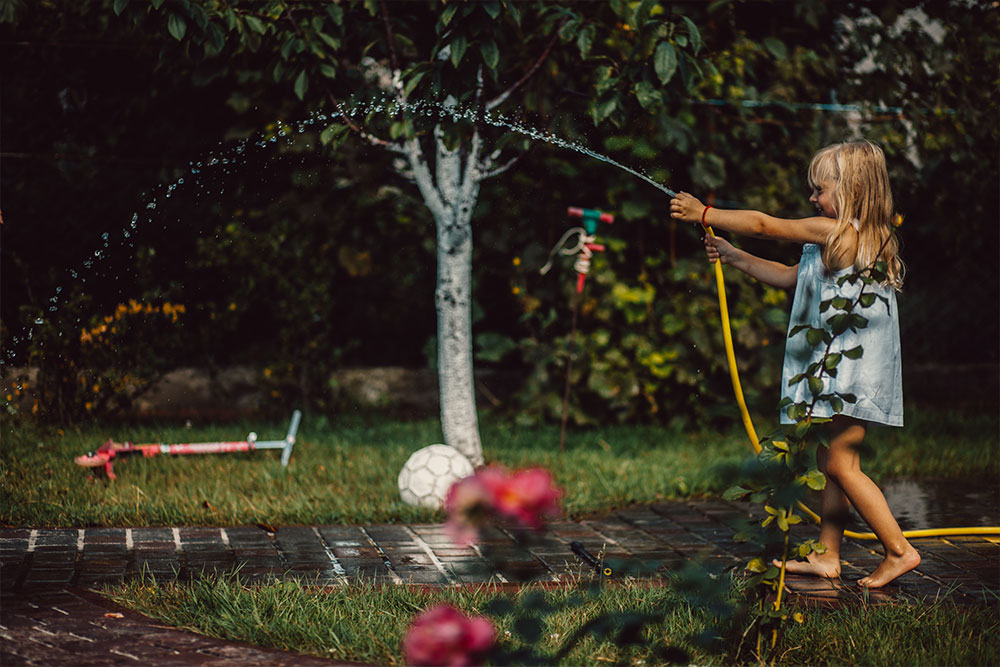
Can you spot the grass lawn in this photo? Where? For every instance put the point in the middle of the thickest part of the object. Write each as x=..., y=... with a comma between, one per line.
x=343, y=469
x=367, y=623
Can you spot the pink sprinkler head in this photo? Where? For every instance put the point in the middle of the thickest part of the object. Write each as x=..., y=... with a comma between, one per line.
x=98, y=457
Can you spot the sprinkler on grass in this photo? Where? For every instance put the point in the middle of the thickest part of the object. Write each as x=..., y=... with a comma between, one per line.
x=105, y=455
x=584, y=249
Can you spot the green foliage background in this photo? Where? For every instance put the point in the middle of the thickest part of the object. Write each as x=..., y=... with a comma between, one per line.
x=311, y=253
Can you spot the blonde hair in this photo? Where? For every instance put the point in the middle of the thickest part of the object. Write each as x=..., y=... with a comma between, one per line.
x=861, y=193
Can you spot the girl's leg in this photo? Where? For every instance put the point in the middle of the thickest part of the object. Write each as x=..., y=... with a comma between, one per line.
x=843, y=467
x=834, y=514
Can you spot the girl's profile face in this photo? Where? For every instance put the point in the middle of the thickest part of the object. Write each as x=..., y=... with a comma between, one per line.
x=822, y=197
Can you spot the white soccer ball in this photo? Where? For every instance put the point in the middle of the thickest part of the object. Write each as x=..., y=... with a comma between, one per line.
x=429, y=473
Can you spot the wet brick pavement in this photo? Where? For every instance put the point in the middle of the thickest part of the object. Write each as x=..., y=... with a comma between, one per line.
x=50, y=616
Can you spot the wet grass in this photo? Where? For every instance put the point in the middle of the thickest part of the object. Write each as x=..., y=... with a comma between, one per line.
x=366, y=623
x=343, y=469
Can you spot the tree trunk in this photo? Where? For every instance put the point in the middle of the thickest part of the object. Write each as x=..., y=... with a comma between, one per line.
x=453, y=299
x=451, y=195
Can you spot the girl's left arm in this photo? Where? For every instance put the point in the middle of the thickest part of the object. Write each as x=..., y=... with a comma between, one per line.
x=688, y=208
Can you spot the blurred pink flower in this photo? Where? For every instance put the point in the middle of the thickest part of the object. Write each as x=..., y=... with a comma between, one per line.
x=442, y=635
x=528, y=496
x=469, y=504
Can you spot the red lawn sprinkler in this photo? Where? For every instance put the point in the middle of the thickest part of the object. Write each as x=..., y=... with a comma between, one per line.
x=104, y=456
x=584, y=250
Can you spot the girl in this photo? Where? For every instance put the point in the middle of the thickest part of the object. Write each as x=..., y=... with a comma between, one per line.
x=850, y=188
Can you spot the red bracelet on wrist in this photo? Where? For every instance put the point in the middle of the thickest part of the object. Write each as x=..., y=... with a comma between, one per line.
x=703, y=217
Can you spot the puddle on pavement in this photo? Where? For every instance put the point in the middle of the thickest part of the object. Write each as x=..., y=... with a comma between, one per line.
x=934, y=504
x=943, y=504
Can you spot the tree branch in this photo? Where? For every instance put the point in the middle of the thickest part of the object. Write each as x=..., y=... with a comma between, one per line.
x=498, y=100
x=389, y=37
x=501, y=169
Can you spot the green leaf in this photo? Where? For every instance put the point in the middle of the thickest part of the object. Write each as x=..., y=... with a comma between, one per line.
x=735, y=493
x=491, y=53
x=814, y=479
x=120, y=6
x=693, y=34
x=825, y=305
x=448, y=13
x=854, y=352
x=796, y=412
x=492, y=8
x=840, y=303
x=815, y=385
x=412, y=82
x=867, y=299
x=458, y=46
x=585, y=40
x=333, y=133
x=831, y=361
x=814, y=336
x=836, y=404
x=332, y=42
x=648, y=96
x=328, y=70
x=177, y=26
x=301, y=85
x=850, y=398
x=605, y=109
x=336, y=13
x=776, y=48
x=665, y=61
x=255, y=24
x=798, y=328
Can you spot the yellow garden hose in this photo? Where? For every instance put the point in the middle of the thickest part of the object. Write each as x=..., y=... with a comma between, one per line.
x=734, y=375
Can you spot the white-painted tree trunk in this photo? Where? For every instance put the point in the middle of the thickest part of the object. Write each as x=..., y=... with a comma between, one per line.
x=451, y=195
x=453, y=299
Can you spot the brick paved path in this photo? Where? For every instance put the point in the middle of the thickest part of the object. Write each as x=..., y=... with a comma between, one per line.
x=41, y=569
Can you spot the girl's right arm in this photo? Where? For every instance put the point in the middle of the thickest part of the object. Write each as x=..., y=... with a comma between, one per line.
x=771, y=273
x=752, y=223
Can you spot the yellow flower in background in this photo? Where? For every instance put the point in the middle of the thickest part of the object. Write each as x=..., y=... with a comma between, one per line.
x=897, y=220
x=516, y=290
x=517, y=261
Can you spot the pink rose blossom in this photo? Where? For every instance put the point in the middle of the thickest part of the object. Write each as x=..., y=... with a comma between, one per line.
x=528, y=496
x=525, y=497
x=442, y=635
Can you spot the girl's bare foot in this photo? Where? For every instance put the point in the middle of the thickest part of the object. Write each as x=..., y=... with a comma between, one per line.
x=891, y=568
x=820, y=565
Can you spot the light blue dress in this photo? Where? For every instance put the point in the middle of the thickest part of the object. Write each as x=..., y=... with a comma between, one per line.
x=876, y=377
